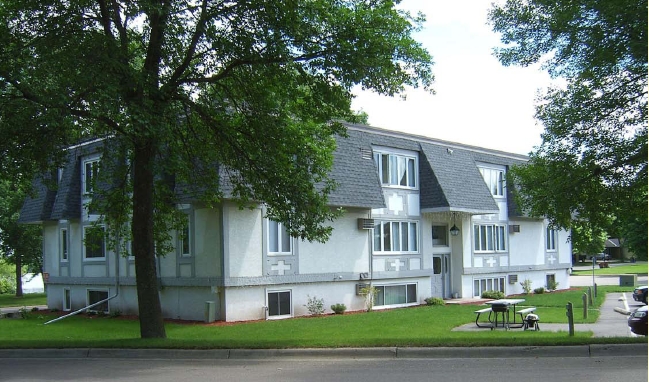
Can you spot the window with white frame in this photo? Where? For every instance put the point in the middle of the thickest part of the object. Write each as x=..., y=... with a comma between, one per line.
x=488, y=284
x=400, y=294
x=279, y=240
x=495, y=180
x=395, y=236
x=489, y=238
x=279, y=303
x=440, y=236
x=396, y=170
x=67, y=300
x=90, y=172
x=94, y=242
x=63, y=244
x=185, y=242
x=95, y=296
x=550, y=239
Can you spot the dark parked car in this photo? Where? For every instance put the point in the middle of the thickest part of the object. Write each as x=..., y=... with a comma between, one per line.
x=600, y=257
x=638, y=321
x=640, y=294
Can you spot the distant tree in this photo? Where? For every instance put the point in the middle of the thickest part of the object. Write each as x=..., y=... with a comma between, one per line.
x=188, y=90
x=591, y=169
x=20, y=244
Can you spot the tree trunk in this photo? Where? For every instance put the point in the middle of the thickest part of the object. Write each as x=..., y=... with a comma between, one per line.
x=150, y=310
x=19, y=275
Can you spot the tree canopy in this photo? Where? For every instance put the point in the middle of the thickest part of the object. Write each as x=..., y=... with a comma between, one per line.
x=190, y=90
x=20, y=244
x=591, y=169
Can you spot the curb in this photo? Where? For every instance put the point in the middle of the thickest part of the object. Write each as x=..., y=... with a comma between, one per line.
x=581, y=351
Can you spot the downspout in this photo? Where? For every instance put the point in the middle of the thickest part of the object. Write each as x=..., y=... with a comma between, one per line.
x=117, y=258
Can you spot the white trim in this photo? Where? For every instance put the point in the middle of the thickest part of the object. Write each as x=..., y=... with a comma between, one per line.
x=64, y=241
x=88, y=302
x=282, y=316
x=83, y=243
x=69, y=305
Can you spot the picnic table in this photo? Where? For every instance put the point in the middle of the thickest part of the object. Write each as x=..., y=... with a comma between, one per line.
x=502, y=308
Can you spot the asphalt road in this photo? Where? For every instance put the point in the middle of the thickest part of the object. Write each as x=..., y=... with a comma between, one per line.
x=556, y=369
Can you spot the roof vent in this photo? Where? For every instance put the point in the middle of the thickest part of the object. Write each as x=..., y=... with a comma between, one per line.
x=366, y=153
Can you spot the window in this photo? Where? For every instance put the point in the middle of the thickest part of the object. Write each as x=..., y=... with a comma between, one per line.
x=550, y=239
x=550, y=282
x=279, y=304
x=94, y=296
x=396, y=170
x=94, y=242
x=489, y=238
x=437, y=265
x=184, y=240
x=488, y=284
x=395, y=294
x=495, y=180
x=440, y=236
x=279, y=241
x=63, y=250
x=67, y=300
x=90, y=172
x=395, y=236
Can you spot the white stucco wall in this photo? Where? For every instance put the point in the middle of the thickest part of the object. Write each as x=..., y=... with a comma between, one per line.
x=527, y=247
x=207, y=242
x=247, y=303
x=242, y=241
x=347, y=250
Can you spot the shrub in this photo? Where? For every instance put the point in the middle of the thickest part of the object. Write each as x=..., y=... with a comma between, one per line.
x=369, y=292
x=494, y=294
x=540, y=290
x=434, y=301
x=339, y=308
x=552, y=285
x=315, y=305
x=527, y=285
x=7, y=285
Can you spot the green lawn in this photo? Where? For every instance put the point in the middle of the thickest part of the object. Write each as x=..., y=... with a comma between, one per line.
x=419, y=326
x=639, y=268
x=30, y=299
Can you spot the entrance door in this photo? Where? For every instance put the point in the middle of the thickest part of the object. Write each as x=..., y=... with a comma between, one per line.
x=441, y=279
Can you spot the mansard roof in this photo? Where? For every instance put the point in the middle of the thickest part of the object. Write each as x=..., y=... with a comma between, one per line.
x=448, y=175
x=448, y=171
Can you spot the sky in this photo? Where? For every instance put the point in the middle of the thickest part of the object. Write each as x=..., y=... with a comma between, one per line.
x=478, y=101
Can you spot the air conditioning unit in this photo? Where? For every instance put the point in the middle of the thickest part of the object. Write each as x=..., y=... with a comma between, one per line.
x=365, y=223
x=514, y=228
x=360, y=288
x=513, y=279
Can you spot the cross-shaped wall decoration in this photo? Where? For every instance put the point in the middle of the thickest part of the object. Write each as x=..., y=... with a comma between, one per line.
x=280, y=267
x=552, y=259
x=397, y=264
x=491, y=262
x=395, y=203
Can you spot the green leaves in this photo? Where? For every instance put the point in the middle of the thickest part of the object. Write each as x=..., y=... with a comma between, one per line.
x=592, y=164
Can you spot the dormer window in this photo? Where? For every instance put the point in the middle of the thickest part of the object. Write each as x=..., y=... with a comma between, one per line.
x=89, y=177
x=495, y=180
x=396, y=170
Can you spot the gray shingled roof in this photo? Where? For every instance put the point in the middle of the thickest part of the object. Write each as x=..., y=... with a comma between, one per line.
x=38, y=207
x=459, y=180
x=448, y=181
x=355, y=173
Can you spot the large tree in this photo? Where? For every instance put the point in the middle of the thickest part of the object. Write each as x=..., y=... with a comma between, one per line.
x=20, y=244
x=591, y=169
x=189, y=90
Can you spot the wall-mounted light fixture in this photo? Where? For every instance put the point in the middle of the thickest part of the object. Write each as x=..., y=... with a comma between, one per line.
x=454, y=230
